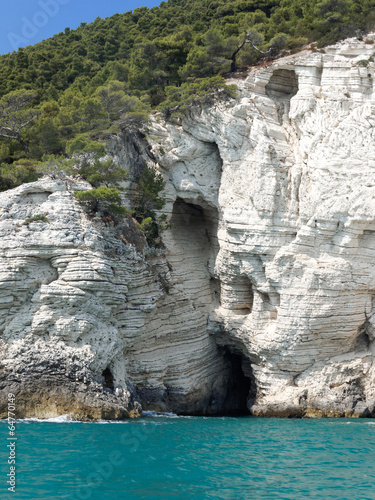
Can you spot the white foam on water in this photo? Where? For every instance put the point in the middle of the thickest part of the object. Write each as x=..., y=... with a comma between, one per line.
x=62, y=418
x=67, y=418
x=111, y=421
x=150, y=413
x=57, y=420
x=356, y=421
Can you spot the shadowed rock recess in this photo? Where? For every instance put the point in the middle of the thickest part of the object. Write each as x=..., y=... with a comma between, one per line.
x=262, y=299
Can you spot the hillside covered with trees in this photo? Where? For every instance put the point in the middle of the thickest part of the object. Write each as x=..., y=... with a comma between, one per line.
x=85, y=79
x=64, y=94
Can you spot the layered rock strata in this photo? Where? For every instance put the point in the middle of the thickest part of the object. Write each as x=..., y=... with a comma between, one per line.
x=262, y=299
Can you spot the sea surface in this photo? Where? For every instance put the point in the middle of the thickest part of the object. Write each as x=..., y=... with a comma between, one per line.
x=162, y=457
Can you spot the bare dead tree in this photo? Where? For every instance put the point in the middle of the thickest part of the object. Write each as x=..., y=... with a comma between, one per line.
x=253, y=38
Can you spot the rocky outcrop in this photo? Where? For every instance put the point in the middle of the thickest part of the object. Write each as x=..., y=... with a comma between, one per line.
x=261, y=300
x=61, y=290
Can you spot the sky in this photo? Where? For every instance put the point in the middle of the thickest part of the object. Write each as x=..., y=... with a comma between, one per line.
x=26, y=22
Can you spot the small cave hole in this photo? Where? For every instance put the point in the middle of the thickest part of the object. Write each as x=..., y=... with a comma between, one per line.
x=243, y=311
x=266, y=299
x=215, y=290
x=108, y=379
x=282, y=84
x=362, y=341
x=237, y=295
x=36, y=198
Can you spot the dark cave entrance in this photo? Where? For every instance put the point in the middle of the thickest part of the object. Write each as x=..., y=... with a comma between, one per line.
x=282, y=84
x=200, y=222
x=108, y=379
x=241, y=388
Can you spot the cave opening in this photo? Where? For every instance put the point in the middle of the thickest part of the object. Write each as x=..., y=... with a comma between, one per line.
x=199, y=218
x=215, y=286
x=108, y=381
x=241, y=388
x=237, y=295
x=362, y=342
x=194, y=247
x=282, y=84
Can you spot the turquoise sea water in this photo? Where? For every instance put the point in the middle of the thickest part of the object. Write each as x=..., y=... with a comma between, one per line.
x=185, y=458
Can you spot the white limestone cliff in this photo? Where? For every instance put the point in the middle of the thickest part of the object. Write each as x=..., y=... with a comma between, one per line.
x=264, y=294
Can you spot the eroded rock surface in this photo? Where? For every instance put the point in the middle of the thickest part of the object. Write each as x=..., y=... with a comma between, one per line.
x=285, y=176
x=262, y=299
x=61, y=292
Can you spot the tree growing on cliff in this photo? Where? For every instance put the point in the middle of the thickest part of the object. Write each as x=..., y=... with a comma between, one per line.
x=104, y=199
x=113, y=99
x=128, y=112
x=148, y=199
x=19, y=172
x=16, y=114
x=56, y=167
x=180, y=99
x=103, y=174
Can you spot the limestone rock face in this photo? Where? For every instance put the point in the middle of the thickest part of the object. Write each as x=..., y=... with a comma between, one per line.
x=262, y=298
x=284, y=182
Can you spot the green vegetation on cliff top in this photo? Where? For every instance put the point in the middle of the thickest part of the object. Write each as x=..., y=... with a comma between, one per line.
x=64, y=94
x=86, y=80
